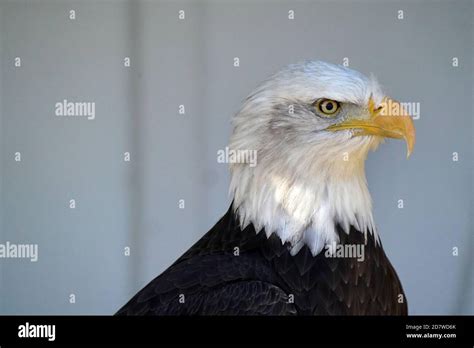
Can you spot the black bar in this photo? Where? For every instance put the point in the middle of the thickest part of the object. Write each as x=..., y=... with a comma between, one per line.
x=257, y=330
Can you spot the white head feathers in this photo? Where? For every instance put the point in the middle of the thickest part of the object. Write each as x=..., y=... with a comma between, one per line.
x=307, y=180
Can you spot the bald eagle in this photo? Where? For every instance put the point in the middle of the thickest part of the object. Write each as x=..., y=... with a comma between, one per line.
x=286, y=245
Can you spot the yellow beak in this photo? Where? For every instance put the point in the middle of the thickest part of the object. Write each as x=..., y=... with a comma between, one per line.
x=390, y=120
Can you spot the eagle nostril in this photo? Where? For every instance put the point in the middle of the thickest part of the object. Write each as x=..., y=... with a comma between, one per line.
x=378, y=110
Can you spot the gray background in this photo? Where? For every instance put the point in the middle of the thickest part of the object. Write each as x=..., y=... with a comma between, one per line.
x=190, y=62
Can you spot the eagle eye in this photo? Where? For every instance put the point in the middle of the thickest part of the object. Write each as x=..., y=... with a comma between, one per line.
x=327, y=107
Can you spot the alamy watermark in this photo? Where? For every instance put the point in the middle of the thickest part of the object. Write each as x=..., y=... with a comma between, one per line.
x=28, y=330
x=335, y=250
x=19, y=251
x=228, y=155
x=76, y=109
x=392, y=108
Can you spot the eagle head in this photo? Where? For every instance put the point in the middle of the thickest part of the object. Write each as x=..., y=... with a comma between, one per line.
x=311, y=125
